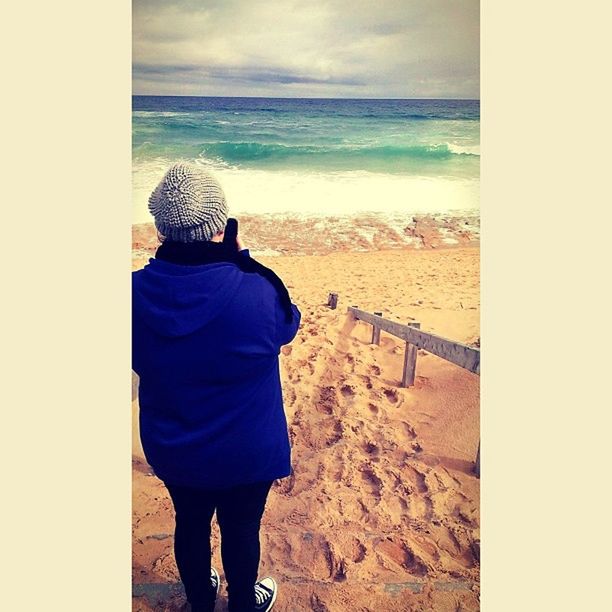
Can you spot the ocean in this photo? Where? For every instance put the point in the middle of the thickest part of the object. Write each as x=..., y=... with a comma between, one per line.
x=314, y=156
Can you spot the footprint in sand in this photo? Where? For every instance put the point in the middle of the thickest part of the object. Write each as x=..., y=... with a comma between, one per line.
x=459, y=547
x=368, y=382
x=295, y=377
x=426, y=548
x=328, y=402
x=333, y=431
x=409, y=429
x=391, y=395
x=397, y=507
x=351, y=362
x=401, y=554
x=357, y=426
x=372, y=450
x=304, y=364
x=324, y=434
x=464, y=516
x=289, y=396
x=359, y=551
x=347, y=391
x=420, y=505
x=444, y=482
x=317, y=604
x=420, y=481
x=336, y=564
x=475, y=548
x=372, y=480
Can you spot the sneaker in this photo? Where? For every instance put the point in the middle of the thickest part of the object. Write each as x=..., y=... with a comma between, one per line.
x=265, y=594
x=214, y=579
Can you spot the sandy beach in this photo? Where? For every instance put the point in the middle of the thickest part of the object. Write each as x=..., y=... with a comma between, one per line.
x=382, y=511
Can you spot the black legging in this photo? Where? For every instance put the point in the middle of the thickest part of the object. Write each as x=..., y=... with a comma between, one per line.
x=239, y=512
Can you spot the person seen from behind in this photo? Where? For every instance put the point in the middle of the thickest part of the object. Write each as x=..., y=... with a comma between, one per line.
x=208, y=324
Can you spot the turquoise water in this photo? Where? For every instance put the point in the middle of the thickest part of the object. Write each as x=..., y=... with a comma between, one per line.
x=293, y=148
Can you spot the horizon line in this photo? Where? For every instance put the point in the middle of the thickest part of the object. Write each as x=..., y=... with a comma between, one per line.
x=293, y=97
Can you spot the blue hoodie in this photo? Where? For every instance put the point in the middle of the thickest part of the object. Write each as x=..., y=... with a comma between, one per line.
x=205, y=344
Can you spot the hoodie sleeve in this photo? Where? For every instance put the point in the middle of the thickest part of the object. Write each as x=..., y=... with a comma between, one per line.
x=286, y=332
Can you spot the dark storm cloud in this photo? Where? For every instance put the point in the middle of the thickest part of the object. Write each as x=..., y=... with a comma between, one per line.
x=245, y=75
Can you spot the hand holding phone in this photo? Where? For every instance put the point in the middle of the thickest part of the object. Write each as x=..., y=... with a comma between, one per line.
x=230, y=233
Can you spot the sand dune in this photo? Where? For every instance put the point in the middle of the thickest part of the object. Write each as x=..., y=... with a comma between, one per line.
x=382, y=511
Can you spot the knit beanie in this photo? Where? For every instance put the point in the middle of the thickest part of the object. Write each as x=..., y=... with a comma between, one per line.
x=188, y=204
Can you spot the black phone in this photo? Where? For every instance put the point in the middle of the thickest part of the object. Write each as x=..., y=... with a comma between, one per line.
x=230, y=233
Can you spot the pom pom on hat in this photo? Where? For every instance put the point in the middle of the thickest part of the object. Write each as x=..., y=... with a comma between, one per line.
x=188, y=204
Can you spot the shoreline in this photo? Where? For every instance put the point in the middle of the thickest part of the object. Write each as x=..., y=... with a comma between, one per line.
x=274, y=234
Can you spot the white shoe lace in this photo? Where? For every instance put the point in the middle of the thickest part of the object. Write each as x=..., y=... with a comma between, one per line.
x=261, y=594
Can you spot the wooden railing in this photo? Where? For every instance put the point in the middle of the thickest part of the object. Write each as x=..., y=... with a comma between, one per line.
x=464, y=356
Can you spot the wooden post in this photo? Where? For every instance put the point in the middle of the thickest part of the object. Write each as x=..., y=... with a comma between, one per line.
x=376, y=331
x=477, y=464
x=410, y=357
x=332, y=301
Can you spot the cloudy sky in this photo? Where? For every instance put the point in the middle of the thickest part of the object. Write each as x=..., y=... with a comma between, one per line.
x=317, y=48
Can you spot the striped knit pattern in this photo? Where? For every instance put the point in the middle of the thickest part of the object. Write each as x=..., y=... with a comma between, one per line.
x=188, y=204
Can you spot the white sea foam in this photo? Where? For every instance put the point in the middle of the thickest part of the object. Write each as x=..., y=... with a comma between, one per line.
x=261, y=191
x=463, y=149
x=149, y=114
x=447, y=238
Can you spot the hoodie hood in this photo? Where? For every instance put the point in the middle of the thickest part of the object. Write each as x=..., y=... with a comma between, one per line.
x=176, y=300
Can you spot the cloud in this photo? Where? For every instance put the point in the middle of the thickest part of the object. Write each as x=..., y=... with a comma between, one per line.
x=391, y=48
x=245, y=74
